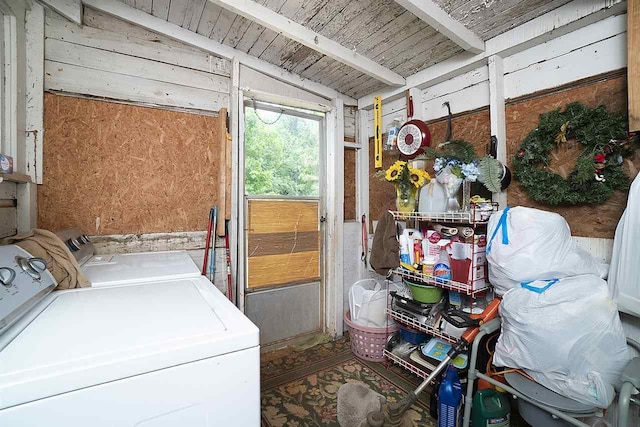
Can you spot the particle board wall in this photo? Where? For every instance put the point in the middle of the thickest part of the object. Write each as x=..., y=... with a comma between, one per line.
x=522, y=116
x=120, y=169
x=350, y=169
x=473, y=126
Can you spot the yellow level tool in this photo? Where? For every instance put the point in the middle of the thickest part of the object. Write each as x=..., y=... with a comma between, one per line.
x=377, y=131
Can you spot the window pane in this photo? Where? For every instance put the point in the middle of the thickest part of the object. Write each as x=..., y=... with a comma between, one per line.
x=281, y=154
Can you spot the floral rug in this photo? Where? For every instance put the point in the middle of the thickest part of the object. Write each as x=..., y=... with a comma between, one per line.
x=299, y=388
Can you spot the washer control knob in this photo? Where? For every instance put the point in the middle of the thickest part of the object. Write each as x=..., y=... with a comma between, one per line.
x=32, y=266
x=73, y=245
x=38, y=264
x=6, y=276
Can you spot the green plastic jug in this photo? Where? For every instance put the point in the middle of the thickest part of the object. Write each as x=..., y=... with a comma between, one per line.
x=490, y=409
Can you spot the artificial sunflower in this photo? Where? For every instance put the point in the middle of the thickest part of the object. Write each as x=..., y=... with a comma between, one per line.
x=393, y=173
x=418, y=177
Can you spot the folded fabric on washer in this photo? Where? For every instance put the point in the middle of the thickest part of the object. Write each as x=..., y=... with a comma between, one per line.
x=61, y=263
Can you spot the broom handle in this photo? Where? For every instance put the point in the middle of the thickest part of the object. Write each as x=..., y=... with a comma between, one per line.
x=432, y=375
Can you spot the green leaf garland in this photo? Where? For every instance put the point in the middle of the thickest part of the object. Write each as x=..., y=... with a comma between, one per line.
x=600, y=133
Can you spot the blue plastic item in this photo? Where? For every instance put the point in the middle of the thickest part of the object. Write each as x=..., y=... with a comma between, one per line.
x=450, y=400
x=412, y=335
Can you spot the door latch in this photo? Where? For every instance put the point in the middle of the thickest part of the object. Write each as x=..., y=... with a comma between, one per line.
x=323, y=219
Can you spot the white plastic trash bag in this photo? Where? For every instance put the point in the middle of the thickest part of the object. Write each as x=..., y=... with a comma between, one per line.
x=567, y=335
x=367, y=303
x=528, y=244
x=624, y=274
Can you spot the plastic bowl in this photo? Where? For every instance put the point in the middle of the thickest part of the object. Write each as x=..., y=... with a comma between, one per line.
x=424, y=293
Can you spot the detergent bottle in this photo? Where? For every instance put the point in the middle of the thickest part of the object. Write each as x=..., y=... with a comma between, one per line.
x=450, y=400
x=490, y=409
x=442, y=269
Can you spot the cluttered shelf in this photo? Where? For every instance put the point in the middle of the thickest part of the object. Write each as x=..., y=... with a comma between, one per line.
x=475, y=215
x=444, y=283
x=409, y=321
x=406, y=365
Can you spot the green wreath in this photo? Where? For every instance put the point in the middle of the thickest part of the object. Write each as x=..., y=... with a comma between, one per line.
x=598, y=170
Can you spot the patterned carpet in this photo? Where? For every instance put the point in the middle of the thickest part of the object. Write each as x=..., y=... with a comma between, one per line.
x=299, y=388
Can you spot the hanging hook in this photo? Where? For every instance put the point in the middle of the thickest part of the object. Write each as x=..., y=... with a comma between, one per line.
x=448, y=137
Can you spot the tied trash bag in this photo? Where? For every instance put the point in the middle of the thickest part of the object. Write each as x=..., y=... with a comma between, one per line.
x=567, y=335
x=528, y=244
x=625, y=269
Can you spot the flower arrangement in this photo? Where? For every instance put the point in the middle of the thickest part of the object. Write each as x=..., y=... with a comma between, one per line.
x=457, y=160
x=468, y=171
x=407, y=181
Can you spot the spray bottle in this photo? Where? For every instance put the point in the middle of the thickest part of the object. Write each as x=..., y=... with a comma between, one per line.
x=450, y=400
x=442, y=269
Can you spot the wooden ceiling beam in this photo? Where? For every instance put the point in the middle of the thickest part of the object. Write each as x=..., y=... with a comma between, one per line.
x=432, y=14
x=299, y=33
x=144, y=20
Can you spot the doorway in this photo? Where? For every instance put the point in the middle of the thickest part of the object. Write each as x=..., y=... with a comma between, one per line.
x=283, y=202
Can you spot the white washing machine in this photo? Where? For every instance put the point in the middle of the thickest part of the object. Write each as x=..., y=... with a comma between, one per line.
x=168, y=353
x=126, y=268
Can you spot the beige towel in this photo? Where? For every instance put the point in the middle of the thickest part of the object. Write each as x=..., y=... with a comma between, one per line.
x=46, y=245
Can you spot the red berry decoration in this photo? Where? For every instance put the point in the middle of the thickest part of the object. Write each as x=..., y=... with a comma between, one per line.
x=599, y=158
x=521, y=153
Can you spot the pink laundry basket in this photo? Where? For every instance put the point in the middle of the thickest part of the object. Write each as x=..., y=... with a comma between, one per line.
x=368, y=342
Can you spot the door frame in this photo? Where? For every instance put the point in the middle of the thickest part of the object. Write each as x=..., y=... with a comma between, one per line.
x=331, y=198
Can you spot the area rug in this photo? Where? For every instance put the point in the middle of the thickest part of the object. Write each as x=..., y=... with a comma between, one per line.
x=299, y=388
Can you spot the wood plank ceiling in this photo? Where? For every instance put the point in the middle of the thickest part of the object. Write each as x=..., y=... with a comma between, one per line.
x=378, y=29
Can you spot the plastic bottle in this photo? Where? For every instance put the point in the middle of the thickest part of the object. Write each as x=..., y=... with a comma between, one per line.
x=392, y=135
x=428, y=264
x=404, y=249
x=450, y=400
x=442, y=269
x=490, y=409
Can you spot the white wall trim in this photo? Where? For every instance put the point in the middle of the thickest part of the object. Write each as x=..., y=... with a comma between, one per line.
x=284, y=100
x=498, y=116
x=334, y=225
x=34, y=129
x=70, y=9
x=362, y=198
x=234, y=233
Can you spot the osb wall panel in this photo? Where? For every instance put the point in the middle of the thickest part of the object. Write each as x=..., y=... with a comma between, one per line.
x=350, y=184
x=116, y=169
x=473, y=126
x=522, y=117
